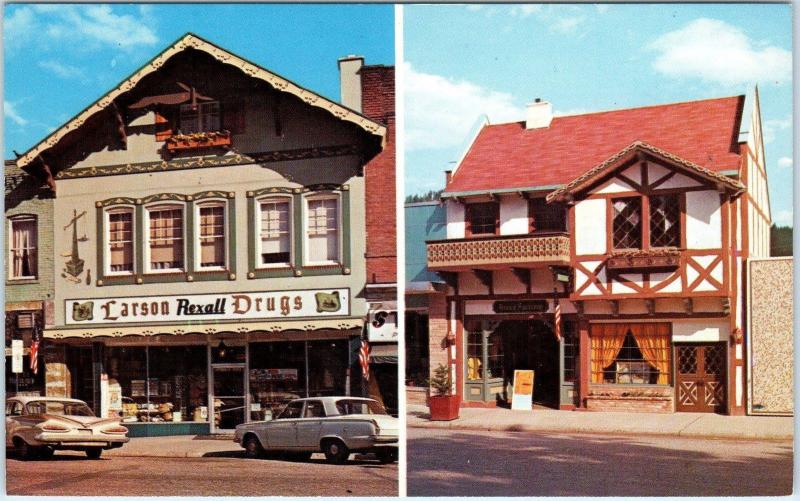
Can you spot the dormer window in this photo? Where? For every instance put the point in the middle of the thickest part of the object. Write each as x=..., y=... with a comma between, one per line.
x=201, y=117
x=482, y=218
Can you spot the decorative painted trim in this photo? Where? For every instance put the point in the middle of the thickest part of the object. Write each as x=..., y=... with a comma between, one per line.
x=165, y=197
x=210, y=161
x=117, y=201
x=192, y=41
x=206, y=328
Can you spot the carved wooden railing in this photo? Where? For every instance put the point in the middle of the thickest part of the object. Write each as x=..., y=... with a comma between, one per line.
x=511, y=250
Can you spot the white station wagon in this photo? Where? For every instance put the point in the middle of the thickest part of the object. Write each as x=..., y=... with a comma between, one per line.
x=336, y=426
x=38, y=426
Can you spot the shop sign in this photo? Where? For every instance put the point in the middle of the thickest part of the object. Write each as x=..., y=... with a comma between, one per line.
x=262, y=375
x=523, y=391
x=16, y=356
x=382, y=325
x=199, y=307
x=532, y=306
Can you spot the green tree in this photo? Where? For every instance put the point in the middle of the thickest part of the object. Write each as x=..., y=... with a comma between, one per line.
x=780, y=241
x=430, y=196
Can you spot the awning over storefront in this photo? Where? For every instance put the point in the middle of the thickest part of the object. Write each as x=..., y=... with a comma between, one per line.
x=205, y=328
x=383, y=353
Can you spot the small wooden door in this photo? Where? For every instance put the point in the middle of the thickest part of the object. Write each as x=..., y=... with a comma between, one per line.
x=700, y=382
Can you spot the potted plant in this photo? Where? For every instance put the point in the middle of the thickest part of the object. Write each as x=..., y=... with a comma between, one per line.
x=443, y=404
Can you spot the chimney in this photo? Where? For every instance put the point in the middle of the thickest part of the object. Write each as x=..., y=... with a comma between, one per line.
x=540, y=114
x=350, y=81
x=448, y=176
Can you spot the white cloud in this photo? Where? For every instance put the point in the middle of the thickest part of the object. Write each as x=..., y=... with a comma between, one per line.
x=785, y=162
x=773, y=126
x=783, y=218
x=63, y=70
x=10, y=112
x=525, y=10
x=440, y=111
x=718, y=52
x=82, y=25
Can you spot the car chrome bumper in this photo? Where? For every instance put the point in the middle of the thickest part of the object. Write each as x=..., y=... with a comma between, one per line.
x=67, y=439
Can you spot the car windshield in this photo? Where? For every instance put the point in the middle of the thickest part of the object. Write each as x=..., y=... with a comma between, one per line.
x=346, y=407
x=59, y=408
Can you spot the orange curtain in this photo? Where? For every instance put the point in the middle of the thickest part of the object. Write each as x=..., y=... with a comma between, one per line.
x=653, y=341
x=607, y=340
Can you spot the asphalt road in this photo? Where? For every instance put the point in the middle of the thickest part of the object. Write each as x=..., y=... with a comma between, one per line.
x=467, y=463
x=231, y=475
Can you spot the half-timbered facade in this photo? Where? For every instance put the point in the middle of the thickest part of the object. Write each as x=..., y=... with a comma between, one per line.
x=637, y=224
x=209, y=223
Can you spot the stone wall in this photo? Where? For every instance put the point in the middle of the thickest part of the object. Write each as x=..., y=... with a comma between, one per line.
x=770, y=336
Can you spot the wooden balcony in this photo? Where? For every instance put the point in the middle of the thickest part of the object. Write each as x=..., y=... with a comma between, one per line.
x=518, y=251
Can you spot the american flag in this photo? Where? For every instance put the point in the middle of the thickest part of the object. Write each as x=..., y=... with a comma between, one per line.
x=363, y=358
x=557, y=315
x=34, y=353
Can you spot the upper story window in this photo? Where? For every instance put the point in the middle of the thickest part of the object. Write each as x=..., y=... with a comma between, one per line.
x=275, y=231
x=202, y=117
x=665, y=229
x=322, y=229
x=165, y=242
x=120, y=240
x=23, y=248
x=627, y=223
x=547, y=217
x=482, y=218
x=211, y=235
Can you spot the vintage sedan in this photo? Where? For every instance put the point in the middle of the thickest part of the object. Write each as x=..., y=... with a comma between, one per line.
x=38, y=426
x=336, y=426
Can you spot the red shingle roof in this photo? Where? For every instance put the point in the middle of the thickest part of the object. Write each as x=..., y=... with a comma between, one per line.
x=507, y=156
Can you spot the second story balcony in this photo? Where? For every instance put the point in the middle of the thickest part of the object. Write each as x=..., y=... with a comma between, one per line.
x=519, y=251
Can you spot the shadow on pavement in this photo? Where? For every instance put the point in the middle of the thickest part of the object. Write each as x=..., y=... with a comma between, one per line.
x=526, y=464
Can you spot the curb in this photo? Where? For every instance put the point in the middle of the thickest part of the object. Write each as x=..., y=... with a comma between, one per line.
x=516, y=428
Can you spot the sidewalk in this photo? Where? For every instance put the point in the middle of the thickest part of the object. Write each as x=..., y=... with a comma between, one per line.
x=614, y=423
x=182, y=446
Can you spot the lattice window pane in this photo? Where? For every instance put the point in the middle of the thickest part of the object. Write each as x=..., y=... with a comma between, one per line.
x=627, y=227
x=714, y=360
x=665, y=228
x=687, y=359
x=483, y=218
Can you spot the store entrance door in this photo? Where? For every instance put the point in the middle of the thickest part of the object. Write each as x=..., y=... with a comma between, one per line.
x=227, y=397
x=531, y=345
x=700, y=384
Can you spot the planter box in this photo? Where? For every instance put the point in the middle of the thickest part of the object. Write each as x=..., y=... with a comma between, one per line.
x=444, y=408
x=218, y=139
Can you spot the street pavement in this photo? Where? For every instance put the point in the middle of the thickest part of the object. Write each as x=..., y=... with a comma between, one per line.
x=682, y=424
x=445, y=462
x=188, y=467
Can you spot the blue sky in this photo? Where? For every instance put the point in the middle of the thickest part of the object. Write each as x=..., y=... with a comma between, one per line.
x=60, y=58
x=465, y=61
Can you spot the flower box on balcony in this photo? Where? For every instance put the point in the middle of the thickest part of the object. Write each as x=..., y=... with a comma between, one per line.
x=668, y=258
x=198, y=140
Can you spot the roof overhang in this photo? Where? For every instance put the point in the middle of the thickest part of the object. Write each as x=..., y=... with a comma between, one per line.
x=192, y=41
x=643, y=150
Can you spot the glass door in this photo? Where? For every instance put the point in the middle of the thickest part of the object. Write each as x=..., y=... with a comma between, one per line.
x=227, y=396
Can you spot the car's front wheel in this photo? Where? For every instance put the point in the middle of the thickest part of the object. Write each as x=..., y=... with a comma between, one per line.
x=252, y=447
x=94, y=453
x=24, y=450
x=335, y=451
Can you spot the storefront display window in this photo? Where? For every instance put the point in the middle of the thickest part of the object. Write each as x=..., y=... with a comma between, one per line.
x=631, y=353
x=157, y=384
x=277, y=376
x=474, y=355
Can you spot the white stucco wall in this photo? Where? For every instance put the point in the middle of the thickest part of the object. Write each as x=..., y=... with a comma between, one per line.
x=696, y=331
x=590, y=226
x=703, y=220
x=456, y=224
x=513, y=216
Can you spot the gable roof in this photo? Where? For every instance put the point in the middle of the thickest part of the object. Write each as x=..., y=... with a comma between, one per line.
x=598, y=172
x=192, y=41
x=509, y=156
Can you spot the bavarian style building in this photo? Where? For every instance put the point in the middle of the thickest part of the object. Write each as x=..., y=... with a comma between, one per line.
x=209, y=239
x=638, y=223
